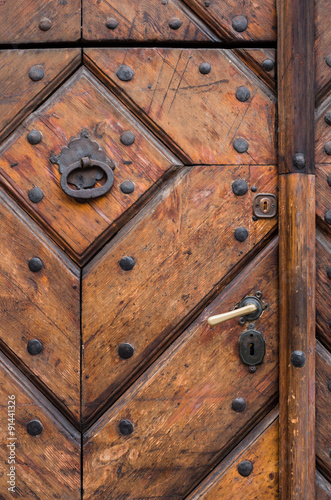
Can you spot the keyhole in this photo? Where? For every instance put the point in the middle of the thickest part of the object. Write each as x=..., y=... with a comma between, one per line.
x=265, y=206
x=251, y=349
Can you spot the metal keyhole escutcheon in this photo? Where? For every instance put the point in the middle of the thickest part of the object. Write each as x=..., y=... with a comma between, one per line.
x=94, y=192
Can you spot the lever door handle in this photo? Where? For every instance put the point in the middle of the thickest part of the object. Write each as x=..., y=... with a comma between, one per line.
x=250, y=307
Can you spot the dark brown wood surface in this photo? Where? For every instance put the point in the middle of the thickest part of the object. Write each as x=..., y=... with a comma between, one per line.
x=260, y=448
x=19, y=95
x=83, y=104
x=221, y=14
x=323, y=131
x=143, y=20
x=41, y=305
x=323, y=488
x=262, y=62
x=323, y=401
x=197, y=115
x=297, y=334
x=181, y=408
x=322, y=48
x=323, y=289
x=47, y=465
x=39, y=21
x=183, y=244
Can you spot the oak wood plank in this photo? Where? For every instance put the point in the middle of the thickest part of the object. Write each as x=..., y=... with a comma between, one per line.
x=143, y=21
x=323, y=289
x=262, y=62
x=323, y=399
x=323, y=488
x=19, y=95
x=322, y=48
x=323, y=132
x=83, y=104
x=183, y=244
x=39, y=21
x=46, y=465
x=42, y=305
x=196, y=114
x=181, y=407
x=323, y=195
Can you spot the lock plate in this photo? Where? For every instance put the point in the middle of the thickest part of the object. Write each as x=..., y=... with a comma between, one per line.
x=251, y=347
x=265, y=205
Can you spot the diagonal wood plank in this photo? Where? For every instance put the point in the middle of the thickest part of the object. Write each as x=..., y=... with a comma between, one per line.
x=19, y=94
x=40, y=301
x=181, y=409
x=182, y=244
x=205, y=104
x=142, y=21
x=323, y=289
x=323, y=398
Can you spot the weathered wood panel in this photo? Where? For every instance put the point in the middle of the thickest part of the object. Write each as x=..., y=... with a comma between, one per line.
x=39, y=21
x=323, y=488
x=323, y=289
x=262, y=62
x=323, y=196
x=83, y=104
x=181, y=408
x=243, y=20
x=323, y=399
x=188, y=97
x=322, y=48
x=233, y=478
x=323, y=132
x=182, y=244
x=40, y=304
x=142, y=21
x=19, y=94
x=47, y=465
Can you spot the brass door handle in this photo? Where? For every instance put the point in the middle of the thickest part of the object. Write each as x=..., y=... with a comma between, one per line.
x=250, y=307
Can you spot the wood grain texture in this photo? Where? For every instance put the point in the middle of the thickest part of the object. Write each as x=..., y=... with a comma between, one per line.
x=260, y=447
x=322, y=48
x=142, y=21
x=296, y=99
x=255, y=60
x=83, y=103
x=323, y=401
x=323, y=488
x=261, y=18
x=19, y=95
x=323, y=131
x=323, y=195
x=181, y=407
x=46, y=465
x=41, y=305
x=323, y=289
x=197, y=115
x=297, y=333
x=183, y=244
x=19, y=21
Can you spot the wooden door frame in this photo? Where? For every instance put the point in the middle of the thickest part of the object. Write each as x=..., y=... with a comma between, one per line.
x=295, y=52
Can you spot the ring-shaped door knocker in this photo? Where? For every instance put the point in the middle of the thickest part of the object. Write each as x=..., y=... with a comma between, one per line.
x=87, y=194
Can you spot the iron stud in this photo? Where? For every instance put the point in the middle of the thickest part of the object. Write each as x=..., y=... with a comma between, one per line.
x=45, y=24
x=35, y=264
x=299, y=161
x=241, y=234
x=327, y=118
x=36, y=73
x=327, y=216
x=34, y=428
x=34, y=347
x=175, y=23
x=111, y=23
x=127, y=187
x=239, y=23
x=34, y=137
x=268, y=64
x=127, y=263
x=238, y=404
x=243, y=94
x=125, y=427
x=125, y=351
x=125, y=73
x=35, y=195
x=239, y=187
x=205, y=68
x=245, y=468
x=327, y=148
x=127, y=138
x=240, y=145
x=298, y=359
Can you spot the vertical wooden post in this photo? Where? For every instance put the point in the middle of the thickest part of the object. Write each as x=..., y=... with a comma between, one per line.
x=297, y=248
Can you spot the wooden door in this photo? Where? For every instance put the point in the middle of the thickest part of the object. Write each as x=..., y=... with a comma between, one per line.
x=153, y=174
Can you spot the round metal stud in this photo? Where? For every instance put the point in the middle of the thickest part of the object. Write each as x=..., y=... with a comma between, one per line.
x=111, y=23
x=252, y=369
x=36, y=73
x=125, y=427
x=258, y=294
x=125, y=351
x=127, y=187
x=127, y=138
x=298, y=359
x=35, y=264
x=34, y=347
x=207, y=3
x=245, y=468
x=125, y=73
x=328, y=272
x=205, y=68
x=240, y=145
x=327, y=216
x=242, y=320
x=328, y=60
x=238, y=404
x=239, y=23
x=268, y=64
x=253, y=189
x=34, y=137
x=34, y=428
x=127, y=263
x=45, y=24
x=299, y=161
x=35, y=195
x=239, y=187
x=327, y=148
x=243, y=94
x=175, y=23
x=327, y=118
x=241, y=234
